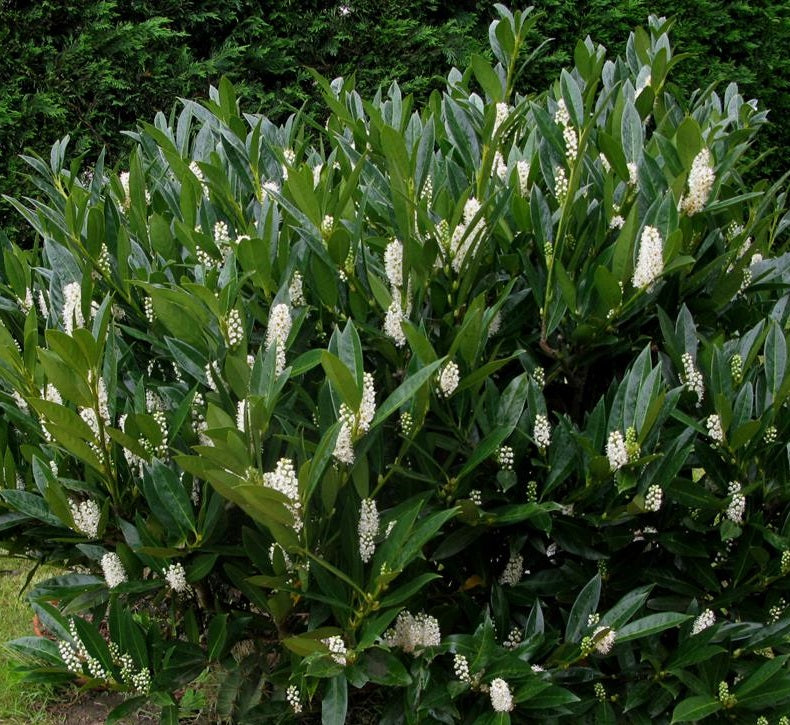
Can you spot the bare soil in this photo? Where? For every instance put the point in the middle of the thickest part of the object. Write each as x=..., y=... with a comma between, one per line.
x=92, y=708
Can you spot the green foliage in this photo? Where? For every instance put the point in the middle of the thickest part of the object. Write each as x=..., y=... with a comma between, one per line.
x=297, y=405
x=91, y=69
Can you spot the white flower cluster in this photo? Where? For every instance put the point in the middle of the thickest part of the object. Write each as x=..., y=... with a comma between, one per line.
x=501, y=697
x=449, y=377
x=235, y=328
x=560, y=184
x=654, y=498
x=413, y=633
x=465, y=236
x=513, y=639
x=26, y=303
x=700, y=184
x=337, y=648
x=737, y=506
x=353, y=425
x=703, y=621
x=616, y=222
x=476, y=496
x=633, y=173
x=748, y=275
x=393, y=268
x=616, y=451
x=148, y=308
x=571, y=143
x=73, y=654
x=604, y=639
x=692, y=378
x=605, y=165
x=393, y=263
x=561, y=115
x=650, y=262
x=283, y=479
x=427, y=189
x=541, y=432
x=293, y=696
x=502, y=112
x=715, y=431
x=86, y=515
x=505, y=457
x=392, y=321
x=141, y=681
x=161, y=421
x=123, y=177
x=72, y=307
x=407, y=423
x=43, y=307
x=495, y=324
x=176, y=578
x=327, y=225
x=499, y=167
x=522, y=171
x=461, y=668
x=368, y=529
x=296, y=291
x=195, y=169
x=277, y=332
x=112, y=566
x=514, y=569
x=221, y=234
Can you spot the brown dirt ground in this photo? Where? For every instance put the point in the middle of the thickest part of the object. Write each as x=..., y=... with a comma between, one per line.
x=92, y=709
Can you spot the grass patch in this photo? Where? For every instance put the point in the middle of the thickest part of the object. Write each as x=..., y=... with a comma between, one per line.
x=20, y=702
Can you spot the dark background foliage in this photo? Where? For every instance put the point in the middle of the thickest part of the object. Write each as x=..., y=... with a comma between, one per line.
x=92, y=68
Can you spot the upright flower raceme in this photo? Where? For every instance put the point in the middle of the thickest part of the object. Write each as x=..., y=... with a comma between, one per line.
x=541, y=432
x=354, y=425
x=283, y=480
x=703, y=621
x=114, y=573
x=277, y=333
x=502, y=112
x=700, y=183
x=368, y=529
x=393, y=268
x=393, y=263
x=691, y=377
x=514, y=569
x=413, y=633
x=522, y=171
x=72, y=307
x=737, y=506
x=392, y=321
x=616, y=451
x=86, y=515
x=650, y=262
x=501, y=697
x=715, y=430
x=449, y=378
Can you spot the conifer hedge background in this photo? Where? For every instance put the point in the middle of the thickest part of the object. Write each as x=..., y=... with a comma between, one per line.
x=88, y=68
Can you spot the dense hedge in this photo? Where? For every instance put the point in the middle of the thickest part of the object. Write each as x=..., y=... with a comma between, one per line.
x=91, y=68
x=468, y=411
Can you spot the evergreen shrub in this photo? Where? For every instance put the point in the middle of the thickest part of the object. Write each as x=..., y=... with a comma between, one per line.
x=472, y=411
